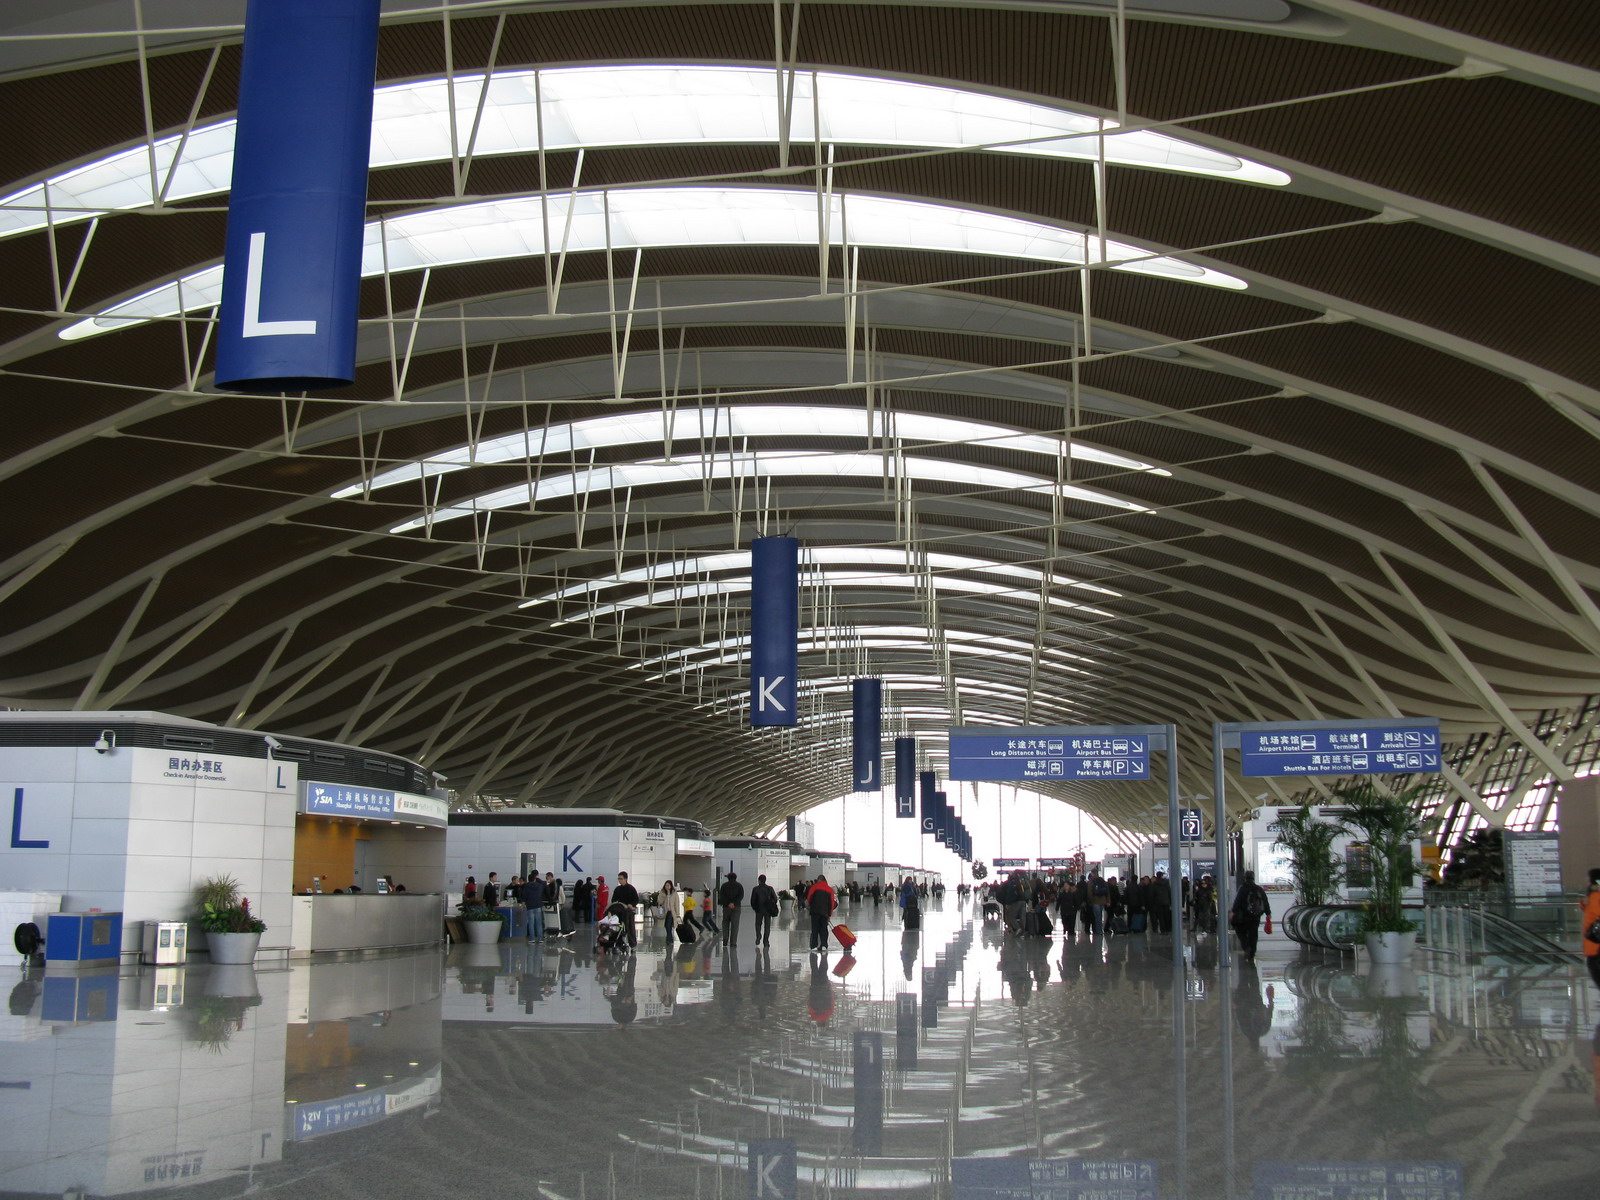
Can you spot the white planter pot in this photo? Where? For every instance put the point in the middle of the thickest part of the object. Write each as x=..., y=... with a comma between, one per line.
x=232, y=948
x=483, y=933
x=1390, y=948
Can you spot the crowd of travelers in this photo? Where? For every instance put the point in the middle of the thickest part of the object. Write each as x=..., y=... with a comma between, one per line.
x=1027, y=904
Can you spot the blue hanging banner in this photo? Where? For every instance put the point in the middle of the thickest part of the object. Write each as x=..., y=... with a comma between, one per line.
x=866, y=733
x=774, y=630
x=929, y=784
x=941, y=818
x=905, y=777
x=292, y=266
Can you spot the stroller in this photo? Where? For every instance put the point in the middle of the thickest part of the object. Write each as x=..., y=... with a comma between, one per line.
x=608, y=934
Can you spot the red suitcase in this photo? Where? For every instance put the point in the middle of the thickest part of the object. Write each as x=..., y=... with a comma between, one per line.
x=846, y=938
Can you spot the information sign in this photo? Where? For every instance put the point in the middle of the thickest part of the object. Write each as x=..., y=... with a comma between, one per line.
x=1359, y=1180
x=1191, y=825
x=1046, y=752
x=1006, y=864
x=1533, y=865
x=1335, y=751
x=1053, y=1179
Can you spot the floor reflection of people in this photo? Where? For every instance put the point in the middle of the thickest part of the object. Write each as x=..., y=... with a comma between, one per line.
x=819, y=997
x=1594, y=1049
x=763, y=984
x=624, y=1004
x=1251, y=1013
x=1014, y=970
x=910, y=943
x=728, y=989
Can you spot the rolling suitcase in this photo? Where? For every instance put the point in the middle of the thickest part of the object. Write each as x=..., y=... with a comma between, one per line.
x=569, y=921
x=913, y=918
x=1030, y=923
x=1136, y=923
x=846, y=938
x=1119, y=925
x=685, y=931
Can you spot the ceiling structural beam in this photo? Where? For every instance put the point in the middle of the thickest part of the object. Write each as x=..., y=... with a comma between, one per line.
x=131, y=684
x=301, y=680
x=108, y=660
x=1470, y=670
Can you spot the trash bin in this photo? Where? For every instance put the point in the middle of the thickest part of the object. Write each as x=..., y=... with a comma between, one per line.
x=165, y=943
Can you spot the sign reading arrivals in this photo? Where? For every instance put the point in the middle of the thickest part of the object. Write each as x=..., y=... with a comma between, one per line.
x=1311, y=751
x=1045, y=752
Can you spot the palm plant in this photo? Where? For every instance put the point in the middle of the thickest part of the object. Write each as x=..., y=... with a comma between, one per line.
x=1313, y=867
x=1388, y=824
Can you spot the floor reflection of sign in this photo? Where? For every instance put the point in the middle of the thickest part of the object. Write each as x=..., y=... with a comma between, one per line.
x=1359, y=1180
x=867, y=1128
x=774, y=1174
x=905, y=1031
x=1053, y=1178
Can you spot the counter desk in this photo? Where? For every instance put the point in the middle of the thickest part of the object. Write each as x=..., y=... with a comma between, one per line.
x=366, y=921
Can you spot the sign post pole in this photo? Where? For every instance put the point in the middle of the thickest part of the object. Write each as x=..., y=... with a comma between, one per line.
x=1219, y=828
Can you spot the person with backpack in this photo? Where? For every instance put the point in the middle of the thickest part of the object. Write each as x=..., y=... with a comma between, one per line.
x=820, y=903
x=1099, y=901
x=1250, y=904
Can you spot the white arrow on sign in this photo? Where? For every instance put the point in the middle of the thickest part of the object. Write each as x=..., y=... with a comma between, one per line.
x=1136, y=747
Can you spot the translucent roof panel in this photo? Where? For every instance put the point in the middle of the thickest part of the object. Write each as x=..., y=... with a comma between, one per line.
x=736, y=421
x=629, y=106
x=666, y=597
x=866, y=633
x=652, y=218
x=729, y=466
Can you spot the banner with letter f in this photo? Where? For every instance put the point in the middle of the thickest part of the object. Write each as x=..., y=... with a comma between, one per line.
x=866, y=733
x=291, y=281
x=774, y=630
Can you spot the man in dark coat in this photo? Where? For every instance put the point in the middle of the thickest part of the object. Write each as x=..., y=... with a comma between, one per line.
x=764, y=903
x=731, y=897
x=1250, y=904
x=626, y=896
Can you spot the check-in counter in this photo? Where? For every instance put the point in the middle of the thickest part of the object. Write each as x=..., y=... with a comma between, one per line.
x=365, y=921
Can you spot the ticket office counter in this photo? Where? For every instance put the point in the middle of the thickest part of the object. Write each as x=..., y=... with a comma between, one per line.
x=365, y=921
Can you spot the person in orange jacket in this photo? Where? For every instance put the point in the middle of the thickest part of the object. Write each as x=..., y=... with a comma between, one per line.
x=1591, y=914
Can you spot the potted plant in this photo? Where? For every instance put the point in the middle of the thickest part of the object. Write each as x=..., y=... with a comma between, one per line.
x=482, y=925
x=232, y=931
x=785, y=902
x=1313, y=867
x=1387, y=825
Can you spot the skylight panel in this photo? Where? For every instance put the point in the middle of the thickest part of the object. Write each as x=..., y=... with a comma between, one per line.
x=653, y=218
x=633, y=106
x=837, y=466
x=766, y=421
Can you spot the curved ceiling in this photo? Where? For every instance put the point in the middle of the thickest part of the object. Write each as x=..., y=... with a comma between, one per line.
x=1039, y=474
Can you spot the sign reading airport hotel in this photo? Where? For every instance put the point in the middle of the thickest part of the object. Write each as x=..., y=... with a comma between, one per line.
x=346, y=800
x=1045, y=752
x=1312, y=751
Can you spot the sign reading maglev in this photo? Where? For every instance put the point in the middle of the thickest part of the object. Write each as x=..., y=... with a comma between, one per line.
x=1046, y=752
x=1307, y=750
x=345, y=800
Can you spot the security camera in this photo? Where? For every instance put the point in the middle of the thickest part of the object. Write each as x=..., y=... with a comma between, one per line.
x=105, y=742
x=271, y=741
x=438, y=779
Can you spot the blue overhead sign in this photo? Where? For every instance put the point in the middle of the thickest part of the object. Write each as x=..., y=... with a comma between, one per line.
x=1191, y=825
x=1047, y=752
x=1333, y=751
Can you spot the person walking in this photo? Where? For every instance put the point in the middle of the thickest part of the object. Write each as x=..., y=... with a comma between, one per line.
x=820, y=903
x=1591, y=926
x=707, y=917
x=533, y=900
x=1159, y=897
x=690, y=907
x=764, y=903
x=731, y=897
x=1250, y=904
x=626, y=897
x=668, y=900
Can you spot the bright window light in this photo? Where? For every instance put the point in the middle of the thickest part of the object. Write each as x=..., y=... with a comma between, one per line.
x=878, y=555
x=665, y=597
x=627, y=106
x=988, y=652
x=736, y=421
x=829, y=466
x=865, y=633
x=651, y=218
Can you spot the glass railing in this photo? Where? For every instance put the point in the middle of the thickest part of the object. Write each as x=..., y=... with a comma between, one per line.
x=1476, y=932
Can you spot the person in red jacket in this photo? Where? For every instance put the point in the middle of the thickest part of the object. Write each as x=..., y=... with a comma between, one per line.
x=602, y=897
x=820, y=903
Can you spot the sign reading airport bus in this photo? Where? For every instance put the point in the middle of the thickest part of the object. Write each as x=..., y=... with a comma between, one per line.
x=1309, y=750
x=1046, y=752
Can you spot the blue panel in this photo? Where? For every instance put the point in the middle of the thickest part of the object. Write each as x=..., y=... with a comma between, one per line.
x=1312, y=751
x=292, y=271
x=83, y=937
x=867, y=1098
x=941, y=818
x=71, y=998
x=774, y=630
x=866, y=733
x=905, y=777
x=905, y=1031
x=1049, y=754
x=928, y=788
x=341, y=800
x=774, y=1169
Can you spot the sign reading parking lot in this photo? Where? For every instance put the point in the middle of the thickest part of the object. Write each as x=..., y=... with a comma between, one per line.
x=1047, y=752
x=1310, y=750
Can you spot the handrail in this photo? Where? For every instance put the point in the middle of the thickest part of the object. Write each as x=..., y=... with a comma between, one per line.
x=1472, y=932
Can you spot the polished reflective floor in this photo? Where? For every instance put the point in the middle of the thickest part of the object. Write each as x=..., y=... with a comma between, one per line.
x=957, y=1062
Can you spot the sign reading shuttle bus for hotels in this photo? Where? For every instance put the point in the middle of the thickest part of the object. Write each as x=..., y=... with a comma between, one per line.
x=292, y=266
